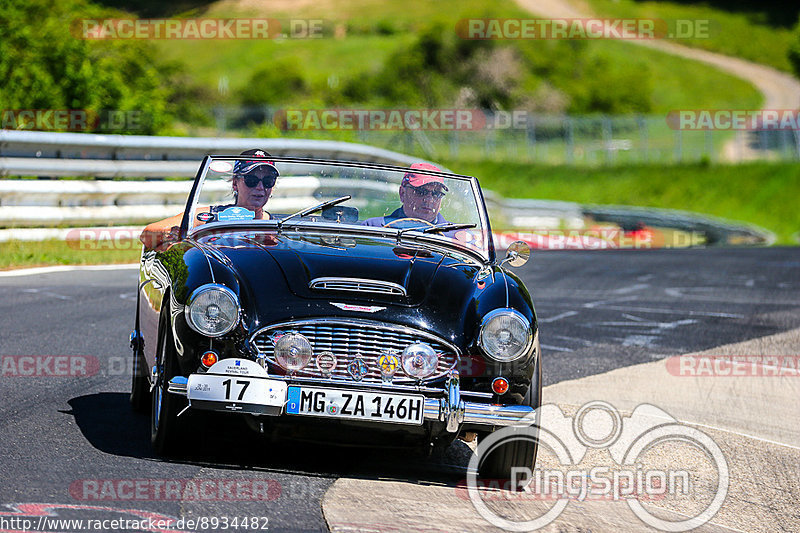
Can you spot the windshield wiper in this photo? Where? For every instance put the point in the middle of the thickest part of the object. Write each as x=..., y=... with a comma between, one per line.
x=309, y=210
x=447, y=226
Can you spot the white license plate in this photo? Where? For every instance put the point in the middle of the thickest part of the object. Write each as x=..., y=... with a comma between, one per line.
x=235, y=393
x=374, y=406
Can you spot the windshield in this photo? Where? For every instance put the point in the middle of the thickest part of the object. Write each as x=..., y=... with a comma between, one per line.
x=417, y=203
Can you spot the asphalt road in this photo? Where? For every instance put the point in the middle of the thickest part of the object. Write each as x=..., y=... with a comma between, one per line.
x=73, y=441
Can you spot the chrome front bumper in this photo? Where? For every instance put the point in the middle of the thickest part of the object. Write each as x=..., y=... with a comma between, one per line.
x=451, y=410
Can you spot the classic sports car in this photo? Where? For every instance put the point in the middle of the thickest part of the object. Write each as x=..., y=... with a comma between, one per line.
x=336, y=315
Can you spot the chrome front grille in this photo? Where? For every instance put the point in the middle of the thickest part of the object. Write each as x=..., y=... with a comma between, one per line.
x=348, y=338
x=358, y=285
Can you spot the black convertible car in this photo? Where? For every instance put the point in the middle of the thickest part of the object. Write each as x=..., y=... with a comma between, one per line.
x=340, y=312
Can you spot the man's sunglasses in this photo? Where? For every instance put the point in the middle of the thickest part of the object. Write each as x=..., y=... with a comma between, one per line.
x=422, y=193
x=268, y=180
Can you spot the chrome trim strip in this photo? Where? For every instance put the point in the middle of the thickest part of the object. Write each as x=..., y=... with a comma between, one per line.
x=357, y=285
x=473, y=413
x=485, y=414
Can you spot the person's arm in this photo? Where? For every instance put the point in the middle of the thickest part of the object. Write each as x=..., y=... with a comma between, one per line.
x=166, y=230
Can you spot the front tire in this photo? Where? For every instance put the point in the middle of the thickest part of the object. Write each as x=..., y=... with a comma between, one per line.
x=519, y=451
x=164, y=426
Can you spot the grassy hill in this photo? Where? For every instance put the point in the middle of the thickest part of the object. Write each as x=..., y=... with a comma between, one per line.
x=757, y=31
x=365, y=39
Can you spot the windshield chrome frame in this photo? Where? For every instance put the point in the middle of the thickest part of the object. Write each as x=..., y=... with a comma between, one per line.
x=188, y=228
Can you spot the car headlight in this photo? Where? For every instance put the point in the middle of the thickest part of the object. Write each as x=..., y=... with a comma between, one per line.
x=419, y=360
x=505, y=335
x=213, y=310
x=292, y=351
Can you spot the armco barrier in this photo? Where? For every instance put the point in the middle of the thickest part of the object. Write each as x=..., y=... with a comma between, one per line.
x=56, y=202
x=48, y=147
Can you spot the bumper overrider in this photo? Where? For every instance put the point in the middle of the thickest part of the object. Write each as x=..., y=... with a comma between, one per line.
x=258, y=393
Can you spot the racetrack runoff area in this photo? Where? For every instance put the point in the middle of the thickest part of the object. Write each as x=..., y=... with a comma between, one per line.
x=752, y=417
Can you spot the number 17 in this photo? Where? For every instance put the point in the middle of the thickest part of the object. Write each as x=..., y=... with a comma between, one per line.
x=227, y=384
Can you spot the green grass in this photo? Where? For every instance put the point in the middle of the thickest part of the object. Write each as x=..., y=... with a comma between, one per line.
x=746, y=35
x=16, y=254
x=676, y=83
x=758, y=193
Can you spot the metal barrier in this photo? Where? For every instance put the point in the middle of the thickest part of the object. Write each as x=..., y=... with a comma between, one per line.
x=46, y=203
x=43, y=153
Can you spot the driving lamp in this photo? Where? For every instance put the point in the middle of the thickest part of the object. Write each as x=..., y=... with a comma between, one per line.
x=213, y=310
x=419, y=360
x=505, y=335
x=292, y=351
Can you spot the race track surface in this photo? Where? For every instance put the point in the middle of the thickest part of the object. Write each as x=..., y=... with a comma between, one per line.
x=73, y=441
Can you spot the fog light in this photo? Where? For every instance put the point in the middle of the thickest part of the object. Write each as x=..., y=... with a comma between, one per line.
x=209, y=358
x=292, y=351
x=500, y=385
x=419, y=360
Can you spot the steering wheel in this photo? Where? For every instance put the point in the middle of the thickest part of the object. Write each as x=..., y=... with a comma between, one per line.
x=403, y=223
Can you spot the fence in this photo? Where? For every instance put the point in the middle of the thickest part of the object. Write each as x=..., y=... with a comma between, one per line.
x=544, y=139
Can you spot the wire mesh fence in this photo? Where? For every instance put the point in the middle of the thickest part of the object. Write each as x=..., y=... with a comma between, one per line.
x=592, y=140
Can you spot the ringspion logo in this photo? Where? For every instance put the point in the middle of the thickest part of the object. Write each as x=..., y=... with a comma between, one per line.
x=648, y=435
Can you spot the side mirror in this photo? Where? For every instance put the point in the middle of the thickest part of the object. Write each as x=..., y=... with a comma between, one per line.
x=517, y=254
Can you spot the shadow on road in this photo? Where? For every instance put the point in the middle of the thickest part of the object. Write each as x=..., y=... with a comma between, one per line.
x=223, y=443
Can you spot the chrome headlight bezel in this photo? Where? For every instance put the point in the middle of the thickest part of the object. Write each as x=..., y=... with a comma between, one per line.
x=513, y=314
x=236, y=309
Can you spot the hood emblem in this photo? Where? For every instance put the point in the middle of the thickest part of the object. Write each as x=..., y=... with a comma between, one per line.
x=359, y=308
x=357, y=368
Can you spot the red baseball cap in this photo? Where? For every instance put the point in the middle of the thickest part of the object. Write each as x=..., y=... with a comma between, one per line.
x=416, y=179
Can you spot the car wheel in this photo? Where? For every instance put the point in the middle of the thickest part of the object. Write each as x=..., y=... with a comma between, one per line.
x=518, y=450
x=140, y=385
x=164, y=430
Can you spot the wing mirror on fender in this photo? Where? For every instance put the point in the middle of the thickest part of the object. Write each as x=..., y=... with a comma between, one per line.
x=517, y=254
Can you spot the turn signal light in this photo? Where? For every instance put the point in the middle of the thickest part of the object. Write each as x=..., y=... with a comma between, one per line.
x=208, y=360
x=500, y=385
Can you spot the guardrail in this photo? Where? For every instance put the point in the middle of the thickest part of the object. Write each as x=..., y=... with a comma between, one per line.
x=46, y=154
x=60, y=202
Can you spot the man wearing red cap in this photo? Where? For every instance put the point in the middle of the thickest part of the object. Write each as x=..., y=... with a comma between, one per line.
x=421, y=196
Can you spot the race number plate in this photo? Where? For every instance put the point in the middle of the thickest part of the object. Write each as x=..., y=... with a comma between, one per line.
x=334, y=403
x=236, y=393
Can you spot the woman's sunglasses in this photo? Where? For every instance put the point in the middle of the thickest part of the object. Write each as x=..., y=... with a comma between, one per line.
x=268, y=180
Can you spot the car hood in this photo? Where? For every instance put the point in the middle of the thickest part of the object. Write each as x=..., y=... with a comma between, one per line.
x=422, y=271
